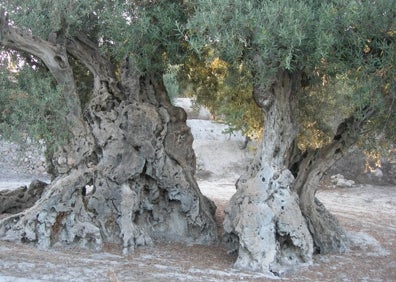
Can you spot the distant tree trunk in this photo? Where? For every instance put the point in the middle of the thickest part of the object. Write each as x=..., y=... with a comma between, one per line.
x=126, y=177
x=274, y=221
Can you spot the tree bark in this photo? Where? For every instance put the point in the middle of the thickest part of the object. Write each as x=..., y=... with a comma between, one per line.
x=53, y=56
x=126, y=177
x=274, y=221
x=264, y=222
x=327, y=233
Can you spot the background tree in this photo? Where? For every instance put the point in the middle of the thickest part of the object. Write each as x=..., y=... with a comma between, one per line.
x=123, y=172
x=322, y=71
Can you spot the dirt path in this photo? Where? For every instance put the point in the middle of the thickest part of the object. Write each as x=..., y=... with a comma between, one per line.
x=368, y=214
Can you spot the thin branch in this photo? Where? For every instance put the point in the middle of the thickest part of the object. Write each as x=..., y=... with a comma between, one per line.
x=53, y=56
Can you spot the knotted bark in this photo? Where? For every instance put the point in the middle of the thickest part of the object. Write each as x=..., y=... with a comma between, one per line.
x=328, y=234
x=264, y=222
x=274, y=221
x=126, y=176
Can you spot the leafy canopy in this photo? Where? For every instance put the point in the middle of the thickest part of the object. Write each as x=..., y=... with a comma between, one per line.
x=144, y=31
x=345, y=51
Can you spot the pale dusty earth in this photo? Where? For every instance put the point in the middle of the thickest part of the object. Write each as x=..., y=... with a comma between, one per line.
x=368, y=213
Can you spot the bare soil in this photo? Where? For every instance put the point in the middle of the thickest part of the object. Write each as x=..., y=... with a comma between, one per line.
x=367, y=212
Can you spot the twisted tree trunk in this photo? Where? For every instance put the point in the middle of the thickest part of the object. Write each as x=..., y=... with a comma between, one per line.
x=264, y=222
x=274, y=221
x=127, y=175
x=327, y=233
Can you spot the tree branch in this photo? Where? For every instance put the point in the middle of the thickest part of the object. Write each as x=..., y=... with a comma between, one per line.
x=315, y=163
x=84, y=50
x=53, y=56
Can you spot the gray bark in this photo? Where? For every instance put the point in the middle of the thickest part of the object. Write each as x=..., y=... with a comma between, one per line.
x=328, y=234
x=274, y=221
x=126, y=177
x=264, y=222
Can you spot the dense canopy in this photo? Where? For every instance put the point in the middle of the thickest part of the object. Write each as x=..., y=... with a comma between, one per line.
x=345, y=51
x=321, y=73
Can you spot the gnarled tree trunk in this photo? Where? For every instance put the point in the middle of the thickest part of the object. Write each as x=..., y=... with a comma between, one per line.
x=127, y=175
x=327, y=233
x=264, y=221
x=274, y=221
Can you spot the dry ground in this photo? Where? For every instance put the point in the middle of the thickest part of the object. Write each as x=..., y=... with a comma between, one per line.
x=367, y=212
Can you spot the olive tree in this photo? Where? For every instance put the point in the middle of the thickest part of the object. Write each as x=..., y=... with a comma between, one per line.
x=323, y=74
x=123, y=174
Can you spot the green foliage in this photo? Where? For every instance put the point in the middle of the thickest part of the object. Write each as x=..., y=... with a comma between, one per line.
x=43, y=17
x=171, y=83
x=31, y=107
x=290, y=35
x=146, y=31
x=345, y=51
x=225, y=91
x=276, y=31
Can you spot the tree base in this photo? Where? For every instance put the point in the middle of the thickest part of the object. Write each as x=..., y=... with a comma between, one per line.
x=264, y=223
x=329, y=237
x=68, y=214
x=137, y=185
